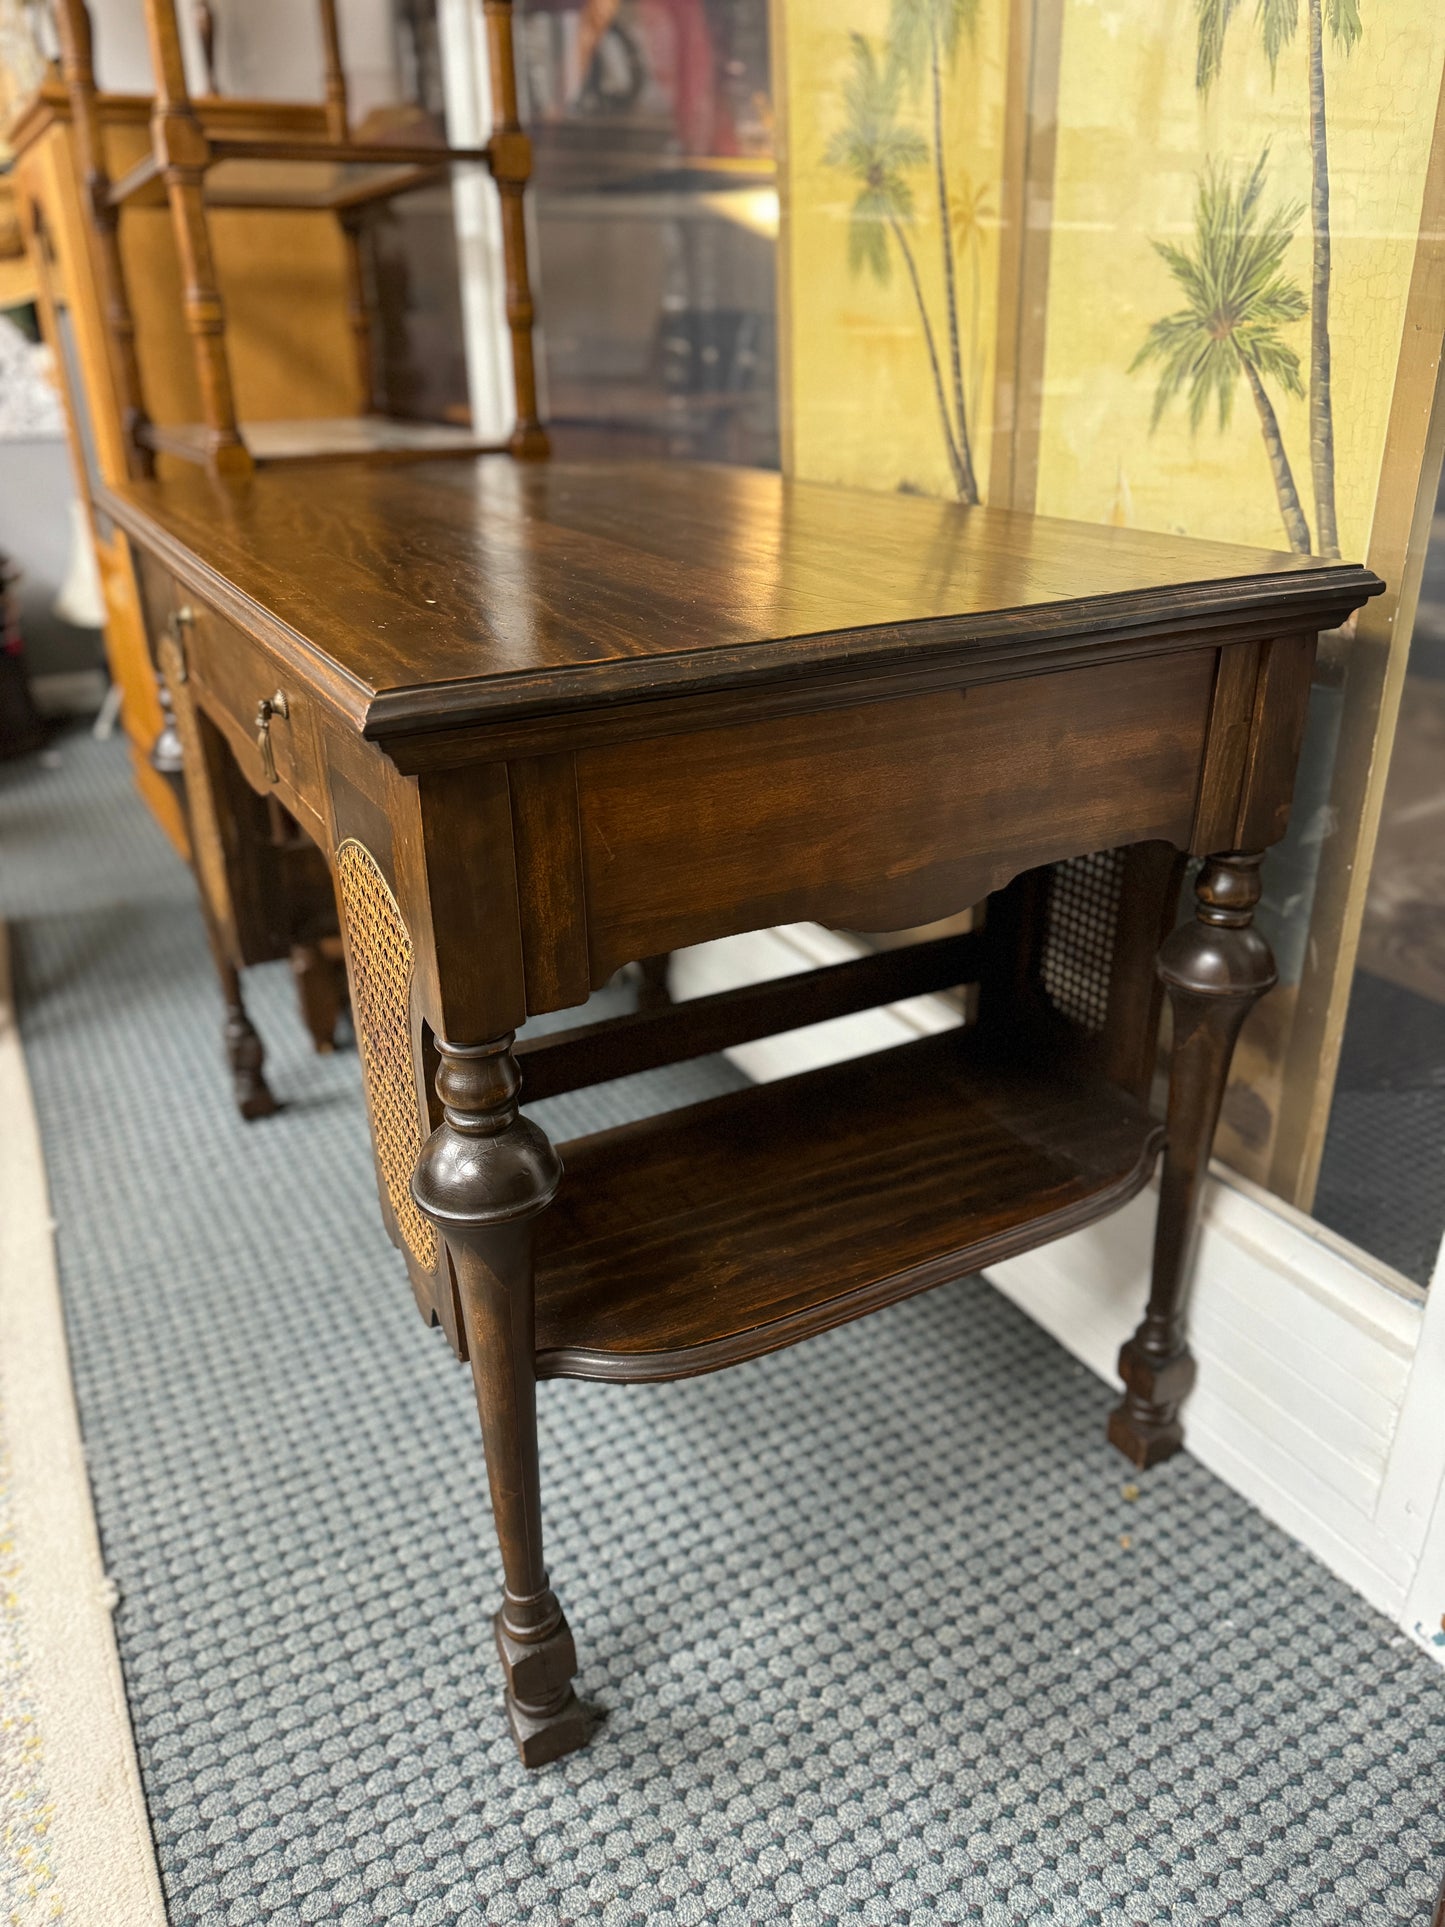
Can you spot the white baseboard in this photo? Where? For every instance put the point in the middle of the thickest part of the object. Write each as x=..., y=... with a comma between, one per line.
x=1321, y=1377
x=1304, y=1365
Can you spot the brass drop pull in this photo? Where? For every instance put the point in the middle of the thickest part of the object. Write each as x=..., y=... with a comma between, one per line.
x=268, y=707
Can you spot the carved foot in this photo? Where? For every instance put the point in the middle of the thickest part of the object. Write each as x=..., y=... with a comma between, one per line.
x=546, y=1717
x=484, y=1176
x=1145, y=1425
x=245, y=1055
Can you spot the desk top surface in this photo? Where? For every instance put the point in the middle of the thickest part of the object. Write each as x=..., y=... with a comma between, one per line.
x=441, y=593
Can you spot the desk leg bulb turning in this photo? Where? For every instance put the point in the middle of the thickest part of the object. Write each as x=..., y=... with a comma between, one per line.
x=483, y=1176
x=486, y=1174
x=1214, y=968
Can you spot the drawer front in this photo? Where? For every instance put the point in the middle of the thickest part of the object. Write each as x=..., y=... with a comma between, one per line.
x=888, y=815
x=235, y=678
x=159, y=592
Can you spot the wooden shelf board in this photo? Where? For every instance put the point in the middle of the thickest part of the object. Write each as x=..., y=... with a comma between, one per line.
x=348, y=153
x=300, y=172
x=314, y=185
x=324, y=438
x=691, y=1240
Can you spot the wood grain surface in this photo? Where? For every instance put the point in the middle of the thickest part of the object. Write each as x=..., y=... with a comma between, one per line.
x=884, y=815
x=688, y=1241
x=454, y=592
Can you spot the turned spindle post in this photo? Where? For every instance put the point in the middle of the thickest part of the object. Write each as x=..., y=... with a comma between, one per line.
x=358, y=314
x=77, y=62
x=1214, y=970
x=483, y=1176
x=511, y=163
x=183, y=155
x=338, y=110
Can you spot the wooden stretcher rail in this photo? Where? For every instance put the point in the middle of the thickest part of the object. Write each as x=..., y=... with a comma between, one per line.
x=570, y=1060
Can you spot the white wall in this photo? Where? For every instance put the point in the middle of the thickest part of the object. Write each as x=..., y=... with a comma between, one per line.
x=268, y=49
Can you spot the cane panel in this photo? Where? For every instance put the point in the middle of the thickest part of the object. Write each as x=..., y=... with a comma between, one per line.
x=381, y=973
x=1078, y=949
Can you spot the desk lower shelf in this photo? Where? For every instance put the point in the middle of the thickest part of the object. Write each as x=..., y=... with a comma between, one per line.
x=700, y=1237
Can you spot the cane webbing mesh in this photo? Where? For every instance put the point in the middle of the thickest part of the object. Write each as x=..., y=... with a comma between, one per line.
x=381, y=970
x=1078, y=948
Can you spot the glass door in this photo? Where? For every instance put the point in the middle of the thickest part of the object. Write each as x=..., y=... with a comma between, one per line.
x=656, y=218
x=1382, y=1177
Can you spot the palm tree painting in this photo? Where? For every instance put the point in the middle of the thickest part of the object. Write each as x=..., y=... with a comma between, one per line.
x=973, y=212
x=923, y=38
x=880, y=153
x=1237, y=300
x=1278, y=23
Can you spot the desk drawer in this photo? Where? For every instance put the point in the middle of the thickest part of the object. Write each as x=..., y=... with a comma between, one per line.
x=238, y=677
x=889, y=814
x=159, y=594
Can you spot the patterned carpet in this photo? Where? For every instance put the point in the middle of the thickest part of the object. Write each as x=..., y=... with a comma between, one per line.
x=880, y=1636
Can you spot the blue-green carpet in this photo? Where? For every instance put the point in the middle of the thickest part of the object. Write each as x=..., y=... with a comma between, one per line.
x=870, y=1642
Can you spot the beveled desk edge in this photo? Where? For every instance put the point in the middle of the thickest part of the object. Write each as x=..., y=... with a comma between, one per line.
x=536, y=712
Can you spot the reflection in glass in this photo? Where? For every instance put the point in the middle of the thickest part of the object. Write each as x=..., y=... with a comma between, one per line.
x=1382, y=1182
x=656, y=218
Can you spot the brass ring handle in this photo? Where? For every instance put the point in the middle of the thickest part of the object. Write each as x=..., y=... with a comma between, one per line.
x=268, y=707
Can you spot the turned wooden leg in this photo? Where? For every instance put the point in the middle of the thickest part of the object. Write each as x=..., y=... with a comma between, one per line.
x=483, y=1176
x=244, y=1052
x=1214, y=970
x=320, y=991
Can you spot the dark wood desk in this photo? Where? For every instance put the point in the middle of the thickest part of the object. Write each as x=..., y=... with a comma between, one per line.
x=549, y=720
